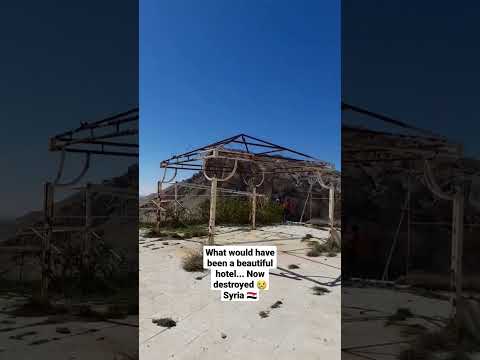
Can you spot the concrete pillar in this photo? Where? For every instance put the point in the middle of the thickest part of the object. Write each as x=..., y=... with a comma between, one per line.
x=158, y=212
x=331, y=206
x=176, y=199
x=48, y=202
x=457, y=255
x=213, y=208
x=254, y=207
x=88, y=224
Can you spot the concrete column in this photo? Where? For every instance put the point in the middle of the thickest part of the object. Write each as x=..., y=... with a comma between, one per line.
x=176, y=199
x=158, y=212
x=331, y=206
x=213, y=208
x=457, y=255
x=88, y=224
x=48, y=223
x=254, y=207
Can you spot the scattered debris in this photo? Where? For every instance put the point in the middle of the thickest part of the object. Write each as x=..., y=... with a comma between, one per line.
x=39, y=342
x=164, y=322
x=165, y=243
x=320, y=290
x=264, y=314
x=63, y=330
x=276, y=304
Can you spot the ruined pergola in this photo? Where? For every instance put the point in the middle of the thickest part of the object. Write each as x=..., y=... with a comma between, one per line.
x=111, y=136
x=418, y=151
x=252, y=159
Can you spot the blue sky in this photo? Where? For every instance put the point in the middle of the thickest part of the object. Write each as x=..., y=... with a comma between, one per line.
x=213, y=69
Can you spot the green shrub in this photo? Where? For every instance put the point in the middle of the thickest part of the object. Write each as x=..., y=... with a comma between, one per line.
x=234, y=211
x=269, y=213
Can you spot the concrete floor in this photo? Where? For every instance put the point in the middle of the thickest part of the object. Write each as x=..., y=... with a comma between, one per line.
x=366, y=332
x=306, y=326
x=26, y=338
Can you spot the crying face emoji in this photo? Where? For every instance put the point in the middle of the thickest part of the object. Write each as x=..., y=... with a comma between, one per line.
x=261, y=284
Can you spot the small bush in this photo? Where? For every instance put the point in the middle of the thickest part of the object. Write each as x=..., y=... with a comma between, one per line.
x=313, y=253
x=400, y=315
x=269, y=213
x=307, y=236
x=330, y=247
x=193, y=262
x=234, y=211
x=152, y=233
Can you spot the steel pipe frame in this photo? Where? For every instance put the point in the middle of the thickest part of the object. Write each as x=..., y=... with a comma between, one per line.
x=451, y=152
x=195, y=160
x=63, y=142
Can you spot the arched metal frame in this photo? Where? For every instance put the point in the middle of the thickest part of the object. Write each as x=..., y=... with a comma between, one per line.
x=83, y=140
x=272, y=159
x=426, y=147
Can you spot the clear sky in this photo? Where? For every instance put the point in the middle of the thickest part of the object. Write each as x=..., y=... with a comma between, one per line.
x=415, y=62
x=213, y=69
x=62, y=64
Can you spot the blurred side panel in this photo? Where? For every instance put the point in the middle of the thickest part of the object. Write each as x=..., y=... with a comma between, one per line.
x=69, y=183
x=410, y=171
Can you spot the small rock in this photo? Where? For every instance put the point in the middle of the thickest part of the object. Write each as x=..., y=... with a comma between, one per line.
x=223, y=335
x=164, y=322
